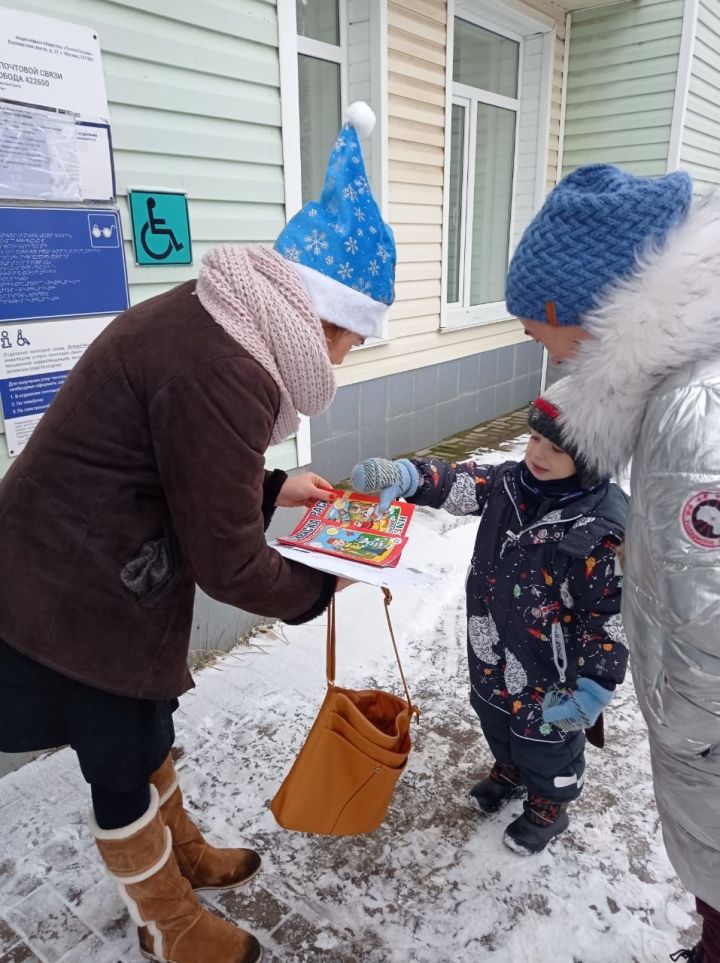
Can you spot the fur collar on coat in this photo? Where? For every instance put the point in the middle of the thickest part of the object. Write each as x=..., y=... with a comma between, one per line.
x=664, y=318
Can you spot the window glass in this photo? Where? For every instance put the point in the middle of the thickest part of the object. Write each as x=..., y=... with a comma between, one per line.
x=485, y=60
x=319, y=20
x=319, y=88
x=492, y=205
x=455, y=209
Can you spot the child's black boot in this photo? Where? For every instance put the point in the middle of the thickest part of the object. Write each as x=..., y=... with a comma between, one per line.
x=541, y=821
x=499, y=787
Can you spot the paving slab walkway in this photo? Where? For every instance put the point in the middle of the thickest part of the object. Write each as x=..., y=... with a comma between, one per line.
x=434, y=884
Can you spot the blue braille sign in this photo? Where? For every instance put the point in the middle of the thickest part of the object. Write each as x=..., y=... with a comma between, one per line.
x=60, y=262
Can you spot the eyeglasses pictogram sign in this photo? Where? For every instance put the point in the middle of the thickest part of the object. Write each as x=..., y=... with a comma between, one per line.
x=161, y=227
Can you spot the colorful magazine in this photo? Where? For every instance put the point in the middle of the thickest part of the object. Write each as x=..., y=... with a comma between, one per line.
x=345, y=526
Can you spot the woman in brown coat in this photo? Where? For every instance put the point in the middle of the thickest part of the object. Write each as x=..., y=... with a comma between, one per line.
x=146, y=478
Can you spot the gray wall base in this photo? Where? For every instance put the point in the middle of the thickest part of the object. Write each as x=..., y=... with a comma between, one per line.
x=10, y=761
x=408, y=412
x=218, y=627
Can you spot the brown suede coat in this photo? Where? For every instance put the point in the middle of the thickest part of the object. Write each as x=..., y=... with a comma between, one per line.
x=145, y=477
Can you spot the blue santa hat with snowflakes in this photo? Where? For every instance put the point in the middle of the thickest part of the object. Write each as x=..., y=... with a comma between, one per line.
x=340, y=245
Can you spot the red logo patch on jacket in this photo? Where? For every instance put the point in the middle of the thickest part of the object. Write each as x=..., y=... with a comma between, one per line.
x=700, y=519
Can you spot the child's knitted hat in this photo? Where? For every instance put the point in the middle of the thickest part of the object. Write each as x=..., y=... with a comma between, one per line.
x=588, y=235
x=544, y=418
x=340, y=245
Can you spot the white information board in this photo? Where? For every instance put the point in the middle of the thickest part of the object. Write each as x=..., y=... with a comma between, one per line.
x=35, y=358
x=51, y=63
x=54, y=130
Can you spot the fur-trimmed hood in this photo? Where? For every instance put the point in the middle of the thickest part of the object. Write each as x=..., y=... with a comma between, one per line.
x=664, y=318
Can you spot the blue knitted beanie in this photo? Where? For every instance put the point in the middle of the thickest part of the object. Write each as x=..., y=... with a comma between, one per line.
x=587, y=235
x=340, y=245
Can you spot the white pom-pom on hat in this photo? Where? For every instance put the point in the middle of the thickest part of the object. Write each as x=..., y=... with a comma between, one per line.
x=360, y=116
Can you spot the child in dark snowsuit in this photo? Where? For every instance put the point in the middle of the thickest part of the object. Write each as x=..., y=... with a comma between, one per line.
x=546, y=645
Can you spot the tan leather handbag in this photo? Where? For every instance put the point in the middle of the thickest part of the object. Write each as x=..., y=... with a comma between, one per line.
x=344, y=776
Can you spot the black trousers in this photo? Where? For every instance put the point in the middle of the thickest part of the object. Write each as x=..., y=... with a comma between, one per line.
x=119, y=740
x=710, y=942
x=554, y=770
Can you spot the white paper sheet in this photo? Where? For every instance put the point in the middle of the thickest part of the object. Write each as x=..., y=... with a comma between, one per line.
x=390, y=578
x=38, y=154
x=96, y=166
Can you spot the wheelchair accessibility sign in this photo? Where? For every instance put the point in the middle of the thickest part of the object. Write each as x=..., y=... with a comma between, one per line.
x=161, y=227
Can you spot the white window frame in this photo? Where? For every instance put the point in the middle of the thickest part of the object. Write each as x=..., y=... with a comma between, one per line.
x=517, y=27
x=469, y=98
x=330, y=53
x=465, y=187
x=290, y=45
x=682, y=86
x=335, y=53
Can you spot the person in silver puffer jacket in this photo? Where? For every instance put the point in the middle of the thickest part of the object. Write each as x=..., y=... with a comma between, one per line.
x=619, y=277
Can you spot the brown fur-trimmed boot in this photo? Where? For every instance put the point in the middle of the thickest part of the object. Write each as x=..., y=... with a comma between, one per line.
x=205, y=866
x=174, y=927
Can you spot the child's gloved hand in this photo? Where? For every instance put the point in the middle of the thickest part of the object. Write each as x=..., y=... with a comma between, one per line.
x=393, y=479
x=576, y=709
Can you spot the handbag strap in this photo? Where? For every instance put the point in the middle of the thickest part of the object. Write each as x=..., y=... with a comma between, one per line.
x=330, y=647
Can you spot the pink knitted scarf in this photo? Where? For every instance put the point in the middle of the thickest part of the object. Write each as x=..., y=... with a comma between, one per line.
x=261, y=302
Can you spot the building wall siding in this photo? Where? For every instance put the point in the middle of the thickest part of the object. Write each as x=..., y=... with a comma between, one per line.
x=194, y=98
x=526, y=173
x=700, y=151
x=195, y=105
x=360, y=65
x=621, y=85
x=556, y=108
x=417, y=52
x=406, y=412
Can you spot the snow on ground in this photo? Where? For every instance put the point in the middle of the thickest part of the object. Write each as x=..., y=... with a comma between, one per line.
x=435, y=884
x=512, y=450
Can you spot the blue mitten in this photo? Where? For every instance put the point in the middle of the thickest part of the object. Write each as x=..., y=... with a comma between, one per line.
x=576, y=709
x=393, y=479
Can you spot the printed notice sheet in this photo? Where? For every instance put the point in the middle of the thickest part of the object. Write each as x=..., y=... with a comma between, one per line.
x=54, y=129
x=35, y=359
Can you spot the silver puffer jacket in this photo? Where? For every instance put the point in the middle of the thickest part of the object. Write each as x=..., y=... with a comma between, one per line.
x=647, y=388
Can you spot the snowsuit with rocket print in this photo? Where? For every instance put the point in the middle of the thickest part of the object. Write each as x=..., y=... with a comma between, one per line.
x=543, y=607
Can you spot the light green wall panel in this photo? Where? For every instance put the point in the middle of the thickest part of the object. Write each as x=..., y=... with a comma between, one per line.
x=194, y=94
x=700, y=151
x=5, y=460
x=621, y=85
